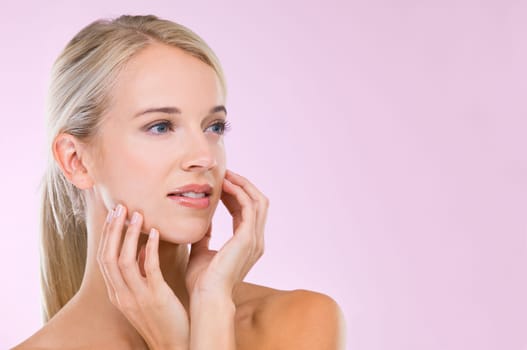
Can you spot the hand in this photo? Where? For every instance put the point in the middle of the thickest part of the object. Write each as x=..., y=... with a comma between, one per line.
x=211, y=272
x=147, y=302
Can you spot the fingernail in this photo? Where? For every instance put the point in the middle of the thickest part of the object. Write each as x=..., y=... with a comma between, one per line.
x=135, y=217
x=118, y=210
x=109, y=216
x=153, y=233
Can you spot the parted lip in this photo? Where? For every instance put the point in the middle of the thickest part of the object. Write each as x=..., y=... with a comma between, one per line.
x=200, y=188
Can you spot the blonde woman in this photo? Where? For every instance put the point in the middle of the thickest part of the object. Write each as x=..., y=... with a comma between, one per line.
x=137, y=168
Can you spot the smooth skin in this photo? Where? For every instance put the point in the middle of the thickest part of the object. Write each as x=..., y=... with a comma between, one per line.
x=149, y=303
x=130, y=298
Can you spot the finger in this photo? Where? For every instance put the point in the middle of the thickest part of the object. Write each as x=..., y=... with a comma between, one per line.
x=247, y=185
x=236, y=254
x=255, y=242
x=242, y=207
x=153, y=272
x=256, y=195
x=127, y=259
x=110, y=253
x=102, y=239
x=229, y=200
x=141, y=259
x=100, y=249
x=262, y=204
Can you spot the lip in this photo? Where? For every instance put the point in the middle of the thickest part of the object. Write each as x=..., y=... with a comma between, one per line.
x=201, y=188
x=196, y=203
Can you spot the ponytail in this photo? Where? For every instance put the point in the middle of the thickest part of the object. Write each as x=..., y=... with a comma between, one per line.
x=63, y=242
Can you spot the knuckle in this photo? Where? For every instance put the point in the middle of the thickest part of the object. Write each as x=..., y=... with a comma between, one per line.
x=263, y=202
x=243, y=179
x=124, y=264
x=260, y=249
x=106, y=261
x=100, y=256
x=150, y=268
x=246, y=242
x=250, y=205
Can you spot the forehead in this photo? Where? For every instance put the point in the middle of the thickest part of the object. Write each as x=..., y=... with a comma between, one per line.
x=162, y=75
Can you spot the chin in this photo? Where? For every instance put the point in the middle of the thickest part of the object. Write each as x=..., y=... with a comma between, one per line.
x=178, y=239
x=187, y=233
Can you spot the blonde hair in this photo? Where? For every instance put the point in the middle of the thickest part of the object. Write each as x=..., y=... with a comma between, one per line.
x=81, y=81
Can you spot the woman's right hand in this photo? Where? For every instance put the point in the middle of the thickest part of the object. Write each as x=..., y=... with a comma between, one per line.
x=148, y=302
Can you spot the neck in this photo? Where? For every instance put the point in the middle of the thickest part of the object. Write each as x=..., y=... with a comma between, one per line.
x=92, y=297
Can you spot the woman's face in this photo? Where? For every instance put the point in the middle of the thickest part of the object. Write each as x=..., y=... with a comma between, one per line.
x=141, y=158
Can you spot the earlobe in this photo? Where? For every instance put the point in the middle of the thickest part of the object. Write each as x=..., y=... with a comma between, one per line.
x=67, y=151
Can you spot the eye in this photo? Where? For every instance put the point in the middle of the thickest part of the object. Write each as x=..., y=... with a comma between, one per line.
x=220, y=127
x=161, y=128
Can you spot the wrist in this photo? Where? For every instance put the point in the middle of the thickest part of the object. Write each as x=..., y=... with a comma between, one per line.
x=180, y=346
x=211, y=295
x=211, y=300
x=212, y=319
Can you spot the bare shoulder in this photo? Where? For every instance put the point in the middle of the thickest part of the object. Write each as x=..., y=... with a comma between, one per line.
x=266, y=318
x=46, y=339
x=291, y=319
x=40, y=343
x=34, y=342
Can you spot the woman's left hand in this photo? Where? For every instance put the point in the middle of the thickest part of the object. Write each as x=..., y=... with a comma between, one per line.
x=211, y=272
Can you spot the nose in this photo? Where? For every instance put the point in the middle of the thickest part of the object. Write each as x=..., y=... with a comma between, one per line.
x=198, y=154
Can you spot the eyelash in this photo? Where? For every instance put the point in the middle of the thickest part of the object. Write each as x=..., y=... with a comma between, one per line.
x=225, y=126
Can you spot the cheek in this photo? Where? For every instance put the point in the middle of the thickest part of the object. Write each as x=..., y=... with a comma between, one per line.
x=138, y=175
x=127, y=175
x=220, y=157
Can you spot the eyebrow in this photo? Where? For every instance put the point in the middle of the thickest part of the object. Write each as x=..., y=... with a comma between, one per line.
x=175, y=110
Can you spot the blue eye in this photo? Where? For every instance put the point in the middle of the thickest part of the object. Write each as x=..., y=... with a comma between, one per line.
x=162, y=127
x=221, y=127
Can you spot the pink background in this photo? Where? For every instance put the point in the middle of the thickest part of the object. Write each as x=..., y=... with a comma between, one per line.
x=388, y=135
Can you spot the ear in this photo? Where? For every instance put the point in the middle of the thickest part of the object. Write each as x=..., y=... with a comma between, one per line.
x=67, y=150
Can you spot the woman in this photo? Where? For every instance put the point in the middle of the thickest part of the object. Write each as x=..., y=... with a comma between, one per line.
x=136, y=122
